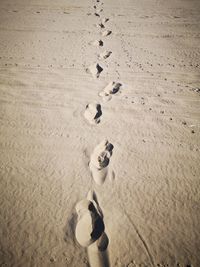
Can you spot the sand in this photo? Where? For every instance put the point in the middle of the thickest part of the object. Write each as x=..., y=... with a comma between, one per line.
x=56, y=59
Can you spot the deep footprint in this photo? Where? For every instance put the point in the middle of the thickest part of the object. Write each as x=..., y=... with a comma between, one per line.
x=90, y=230
x=90, y=225
x=105, y=54
x=95, y=70
x=100, y=160
x=93, y=113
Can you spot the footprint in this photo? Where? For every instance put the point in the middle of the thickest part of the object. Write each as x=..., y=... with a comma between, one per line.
x=101, y=25
x=105, y=54
x=98, y=43
x=90, y=230
x=106, y=33
x=95, y=70
x=90, y=225
x=104, y=20
x=110, y=89
x=99, y=161
x=99, y=10
x=93, y=113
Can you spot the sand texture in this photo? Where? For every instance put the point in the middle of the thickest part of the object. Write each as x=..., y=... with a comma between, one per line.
x=100, y=95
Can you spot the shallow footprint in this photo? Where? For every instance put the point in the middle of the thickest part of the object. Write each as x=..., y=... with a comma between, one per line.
x=110, y=89
x=104, y=20
x=95, y=70
x=93, y=113
x=97, y=43
x=105, y=54
x=100, y=160
x=106, y=33
x=101, y=25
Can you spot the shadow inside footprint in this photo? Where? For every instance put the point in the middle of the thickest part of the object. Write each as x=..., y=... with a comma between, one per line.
x=99, y=68
x=98, y=226
x=100, y=43
x=98, y=114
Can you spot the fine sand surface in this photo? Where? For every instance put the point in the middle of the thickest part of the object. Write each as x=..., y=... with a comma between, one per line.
x=105, y=96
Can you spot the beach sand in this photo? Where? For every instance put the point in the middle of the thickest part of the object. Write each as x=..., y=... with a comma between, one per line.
x=59, y=58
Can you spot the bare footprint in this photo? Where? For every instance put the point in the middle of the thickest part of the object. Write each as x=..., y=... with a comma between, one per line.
x=95, y=70
x=110, y=89
x=101, y=25
x=104, y=20
x=99, y=9
x=93, y=113
x=105, y=54
x=100, y=160
x=89, y=231
x=90, y=225
x=106, y=33
x=97, y=43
